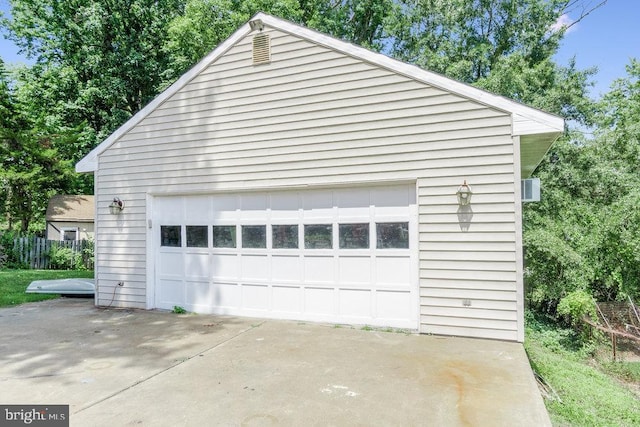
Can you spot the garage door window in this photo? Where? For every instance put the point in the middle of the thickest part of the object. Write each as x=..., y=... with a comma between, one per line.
x=197, y=236
x=354, y=236
x=318, y=236
x=254, y=236
x=392, y=235
x=284, y=236
x=171, y=236
x=224, y=236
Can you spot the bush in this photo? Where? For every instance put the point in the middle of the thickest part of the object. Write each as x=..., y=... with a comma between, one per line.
x=61, y=258
x=3, y=257
x=9, y=258
x=64, y=258
x=575, y=306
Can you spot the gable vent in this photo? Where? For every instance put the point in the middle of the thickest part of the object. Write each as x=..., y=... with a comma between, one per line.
x=261, y=49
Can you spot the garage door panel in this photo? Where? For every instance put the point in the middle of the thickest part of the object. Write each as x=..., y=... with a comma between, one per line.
x=355, y=270
x=319, y=301
x=225, y=266
x=227, y=295
x=171, y=263
x=285, y=205
x=319, y=269
x=197, y=210
x=394, y=305
x=199, y=295
x=287, y=299
x=197, y=265
x=353, y=203
x=172, y=209
x=255, y=297
x=318, y=204
x=286, y=268
x=170, y=293
x=393, y=272
x=355, y=303
x=398, y=196
x=254, y=267
x=253, y=206
x=224, y=217
x=224, y=207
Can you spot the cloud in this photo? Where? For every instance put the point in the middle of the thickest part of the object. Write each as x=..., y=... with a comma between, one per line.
x=562, y=22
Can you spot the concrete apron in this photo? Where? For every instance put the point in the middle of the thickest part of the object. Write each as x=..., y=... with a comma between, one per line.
x=124, y=367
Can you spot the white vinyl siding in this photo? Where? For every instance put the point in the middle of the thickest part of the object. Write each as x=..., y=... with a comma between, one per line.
x=316, y=117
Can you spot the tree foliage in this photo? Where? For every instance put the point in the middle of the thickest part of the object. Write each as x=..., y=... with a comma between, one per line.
x=105, y=54
x=584, y=235
x=464, y=39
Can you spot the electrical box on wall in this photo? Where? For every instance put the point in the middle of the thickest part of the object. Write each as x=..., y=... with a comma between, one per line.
x=530, y=190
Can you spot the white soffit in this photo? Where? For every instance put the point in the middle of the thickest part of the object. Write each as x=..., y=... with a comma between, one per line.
x=526, y=120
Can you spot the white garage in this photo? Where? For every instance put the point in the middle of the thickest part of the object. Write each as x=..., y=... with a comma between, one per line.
x=335, y=255
x=292, y=175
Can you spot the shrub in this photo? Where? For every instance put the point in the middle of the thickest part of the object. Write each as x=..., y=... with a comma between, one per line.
x=9, y=258
x=3, y=257
x=575, y=306
x=61, y=258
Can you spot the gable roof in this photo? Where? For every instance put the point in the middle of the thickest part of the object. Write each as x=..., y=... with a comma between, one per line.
x=71, y=208
x=526, y=120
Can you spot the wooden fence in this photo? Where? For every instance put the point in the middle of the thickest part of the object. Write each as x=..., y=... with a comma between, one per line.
x=39, y=253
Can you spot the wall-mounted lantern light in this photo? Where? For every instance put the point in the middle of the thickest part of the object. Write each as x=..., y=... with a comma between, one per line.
x=464, y=194
x=116, y=206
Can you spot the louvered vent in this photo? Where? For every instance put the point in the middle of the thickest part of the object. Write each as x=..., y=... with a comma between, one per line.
x=261, y=49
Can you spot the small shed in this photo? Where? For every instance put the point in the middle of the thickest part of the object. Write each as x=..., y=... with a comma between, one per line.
x=70, y=217
x=292, y=175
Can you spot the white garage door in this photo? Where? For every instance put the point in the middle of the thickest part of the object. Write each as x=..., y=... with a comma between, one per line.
x=341, y=256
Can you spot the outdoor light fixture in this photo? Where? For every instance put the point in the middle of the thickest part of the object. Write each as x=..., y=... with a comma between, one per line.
x=256, y=24
x=464, y=194
x=116, y=206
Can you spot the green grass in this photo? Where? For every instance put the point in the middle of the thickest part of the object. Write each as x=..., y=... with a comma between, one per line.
x=625, y=371
x=13, y=284
x=588, y=393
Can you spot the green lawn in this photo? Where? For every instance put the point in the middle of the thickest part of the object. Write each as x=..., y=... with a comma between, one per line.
x=13, y=283
x=588, y=392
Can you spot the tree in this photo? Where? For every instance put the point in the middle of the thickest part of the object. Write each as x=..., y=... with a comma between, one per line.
x=30, y=173
x=32, y=168
x=362, y=22
x=105, y=51
x=584, y=235
x=464, y=39
x=206, y=23
x=545, y=85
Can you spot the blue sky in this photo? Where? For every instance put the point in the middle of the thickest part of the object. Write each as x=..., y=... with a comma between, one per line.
x=607, y=39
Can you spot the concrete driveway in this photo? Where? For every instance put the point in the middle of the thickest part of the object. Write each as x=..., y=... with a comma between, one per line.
x=133, y=367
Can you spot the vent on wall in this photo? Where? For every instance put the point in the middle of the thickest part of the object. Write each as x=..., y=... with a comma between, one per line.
x=530, y=190
x=261, y=49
